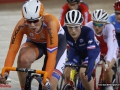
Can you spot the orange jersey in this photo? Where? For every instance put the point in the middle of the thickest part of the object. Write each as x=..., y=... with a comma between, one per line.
x=49, y=35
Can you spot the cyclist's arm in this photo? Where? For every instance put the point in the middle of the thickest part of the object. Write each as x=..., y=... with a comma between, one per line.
x=62, y=14
x=92, y=52
x=52, y=46
x=14, y=44
x=110, y=42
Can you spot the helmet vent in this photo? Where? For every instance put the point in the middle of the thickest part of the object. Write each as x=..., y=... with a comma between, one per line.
x=77, y=17
x=37, y=1
x=99, y=13
x=69, y=18
x=73, y=13
x=25, y=9
x=36, y=9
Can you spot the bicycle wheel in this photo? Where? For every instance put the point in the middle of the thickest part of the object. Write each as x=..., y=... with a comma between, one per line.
x=38, y=78
x=67, y=87
x=78, y=83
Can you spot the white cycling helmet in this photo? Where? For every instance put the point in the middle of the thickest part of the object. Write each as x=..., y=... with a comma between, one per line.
x=100, y=15
x=32, y=9
x=73, y=17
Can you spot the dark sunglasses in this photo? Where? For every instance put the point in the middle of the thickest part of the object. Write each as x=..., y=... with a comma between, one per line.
x=98, y=24
x=117, y=13
x=33, y=20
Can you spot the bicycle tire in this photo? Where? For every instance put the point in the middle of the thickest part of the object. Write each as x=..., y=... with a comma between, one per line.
x=103, y=87
x=67, y=87
x=38, y=78
x=61, y=83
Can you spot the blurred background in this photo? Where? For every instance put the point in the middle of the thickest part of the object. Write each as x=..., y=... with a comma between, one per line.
x=10, y=14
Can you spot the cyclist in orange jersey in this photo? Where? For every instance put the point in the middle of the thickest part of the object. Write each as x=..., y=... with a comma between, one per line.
x=44, y=36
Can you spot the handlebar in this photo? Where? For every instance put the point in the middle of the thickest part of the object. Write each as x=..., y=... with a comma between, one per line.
x=25, y=70
x=81, y=66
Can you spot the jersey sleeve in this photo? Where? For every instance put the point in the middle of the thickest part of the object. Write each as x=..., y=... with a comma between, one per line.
x=52, y=45
x=62, y=14
x=110, y=42
x=110, y=19
x=91, y=50
x=15, y=42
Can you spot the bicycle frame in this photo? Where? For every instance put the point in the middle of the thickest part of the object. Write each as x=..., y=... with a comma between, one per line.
x=73, y=72
x=72, y=76
x=102, y=77
x=28, y=79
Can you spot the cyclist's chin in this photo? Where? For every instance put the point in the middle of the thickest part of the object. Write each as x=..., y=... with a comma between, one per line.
x=98, y=32
x=74, y=37
x=38, y=31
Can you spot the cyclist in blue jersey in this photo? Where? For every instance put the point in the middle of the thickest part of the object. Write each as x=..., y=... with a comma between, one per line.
x=84, y=47
x=115, y=20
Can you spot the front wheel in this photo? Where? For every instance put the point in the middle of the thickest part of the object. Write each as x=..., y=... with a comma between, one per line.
x=67, y=87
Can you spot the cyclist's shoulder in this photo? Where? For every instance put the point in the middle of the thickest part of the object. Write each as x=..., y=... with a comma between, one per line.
x=21, y=21
x=20, y=24
x=87, y=30
x=109, y=27
x=48, y=18
x=89, y=24
x=112, y=16
x=64, y=27
x=65, y=6
x=84, y=5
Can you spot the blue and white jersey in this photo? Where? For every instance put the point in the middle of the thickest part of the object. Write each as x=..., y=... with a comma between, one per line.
x=85, y=48
x=116, y=24
x=85, y=42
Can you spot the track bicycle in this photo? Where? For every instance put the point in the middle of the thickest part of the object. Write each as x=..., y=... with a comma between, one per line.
x=100, y=85
x=74, y=77
x=29, y=76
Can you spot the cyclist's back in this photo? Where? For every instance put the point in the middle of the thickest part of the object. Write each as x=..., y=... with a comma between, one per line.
x=82, y=7
x=112, y=19
x=115, y=20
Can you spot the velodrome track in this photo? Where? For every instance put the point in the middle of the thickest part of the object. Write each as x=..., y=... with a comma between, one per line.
x=11, y=13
